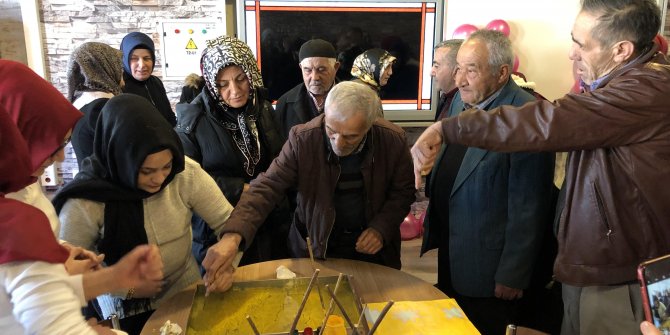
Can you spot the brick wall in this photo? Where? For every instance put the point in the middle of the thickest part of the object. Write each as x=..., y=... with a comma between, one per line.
x=69, y=23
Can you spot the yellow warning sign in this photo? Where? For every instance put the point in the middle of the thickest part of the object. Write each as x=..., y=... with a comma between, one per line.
x=191, y=44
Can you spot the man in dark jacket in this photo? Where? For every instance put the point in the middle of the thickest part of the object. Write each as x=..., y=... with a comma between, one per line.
x=353, y=175
x=139, y=59
x=486, y=207
x=318, y=65
x=616, y=196
x=442, y=71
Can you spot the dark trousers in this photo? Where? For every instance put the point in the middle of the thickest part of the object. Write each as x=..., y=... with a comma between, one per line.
x=489, y=315
x=540, y=308
x=133, y=324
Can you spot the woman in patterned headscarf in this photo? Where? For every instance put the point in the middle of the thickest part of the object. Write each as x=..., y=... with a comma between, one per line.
x=374, y=67
x=94, y=75
x=230, y=130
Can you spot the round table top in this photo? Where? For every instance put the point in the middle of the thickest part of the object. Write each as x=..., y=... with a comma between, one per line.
x=372, y=283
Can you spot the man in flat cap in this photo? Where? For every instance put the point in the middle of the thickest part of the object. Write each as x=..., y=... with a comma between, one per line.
x=318, y=64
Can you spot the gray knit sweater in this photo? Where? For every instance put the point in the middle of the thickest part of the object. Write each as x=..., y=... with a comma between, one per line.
x=167, y=220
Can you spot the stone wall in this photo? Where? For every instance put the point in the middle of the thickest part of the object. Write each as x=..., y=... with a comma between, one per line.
x=69, y=23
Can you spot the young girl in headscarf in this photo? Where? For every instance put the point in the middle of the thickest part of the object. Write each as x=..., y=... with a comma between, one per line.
x=94, y=75
x=138, y=188
x=230, y=130
x=39, y=295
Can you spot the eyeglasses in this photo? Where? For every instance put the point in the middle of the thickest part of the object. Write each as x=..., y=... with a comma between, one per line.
x=62, y=146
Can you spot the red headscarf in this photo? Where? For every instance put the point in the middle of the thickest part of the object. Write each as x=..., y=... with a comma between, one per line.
x=39, y=110
x=25, y=231
x=15, y=168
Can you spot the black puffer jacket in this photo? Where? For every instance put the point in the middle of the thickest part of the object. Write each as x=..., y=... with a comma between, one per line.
x=207, y=142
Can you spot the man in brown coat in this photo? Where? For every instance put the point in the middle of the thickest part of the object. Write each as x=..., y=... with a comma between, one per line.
x=353, y=176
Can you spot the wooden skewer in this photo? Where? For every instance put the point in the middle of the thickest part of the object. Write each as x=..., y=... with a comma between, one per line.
x=332, y=302
x=311, y=257
x=339, y=305
x=360, y=318
x=381, y=316
x=304, y=300
x=253, y=326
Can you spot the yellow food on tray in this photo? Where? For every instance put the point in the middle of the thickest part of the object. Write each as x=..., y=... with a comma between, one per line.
x=272, y=304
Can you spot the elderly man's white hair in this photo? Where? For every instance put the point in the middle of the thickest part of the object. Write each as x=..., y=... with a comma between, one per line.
x=350, y=98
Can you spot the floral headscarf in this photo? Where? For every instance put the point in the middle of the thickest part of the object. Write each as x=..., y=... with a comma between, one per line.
x=241, y=123
x=221, y=52
x=370, y=65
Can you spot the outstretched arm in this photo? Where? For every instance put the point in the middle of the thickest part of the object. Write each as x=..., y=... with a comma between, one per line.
x=141, y=267
x=425, y=150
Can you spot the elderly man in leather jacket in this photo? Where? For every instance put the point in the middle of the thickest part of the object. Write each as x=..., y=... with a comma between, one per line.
x=616, y=195
x=353, y=176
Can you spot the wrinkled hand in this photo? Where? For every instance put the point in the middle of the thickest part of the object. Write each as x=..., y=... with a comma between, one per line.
x=425, y=150
x=507, y=293
x=221, y=282
x=218, y=263
x=647, y=328
x=370, y=242
x=81, y=260
x=142, y=267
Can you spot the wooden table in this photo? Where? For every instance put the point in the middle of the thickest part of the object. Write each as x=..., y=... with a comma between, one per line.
x=372, y=283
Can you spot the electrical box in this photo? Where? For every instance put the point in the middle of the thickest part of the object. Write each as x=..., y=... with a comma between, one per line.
x=182, y=42
x=50, y=176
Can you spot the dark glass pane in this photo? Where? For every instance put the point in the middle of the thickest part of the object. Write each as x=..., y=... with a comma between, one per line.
x=283, y=32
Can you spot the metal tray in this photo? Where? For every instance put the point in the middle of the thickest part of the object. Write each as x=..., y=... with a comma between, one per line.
x=272, y=304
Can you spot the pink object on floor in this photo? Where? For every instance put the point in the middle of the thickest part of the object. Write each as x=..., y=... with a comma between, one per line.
x=411, y=227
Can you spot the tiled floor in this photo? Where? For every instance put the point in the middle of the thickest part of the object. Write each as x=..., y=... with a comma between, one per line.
x=423, y=267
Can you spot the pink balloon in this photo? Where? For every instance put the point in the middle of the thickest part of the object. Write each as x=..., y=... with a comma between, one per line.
x=662, y=43
x=419, y=222
x=499, y=25
x=463, y=31
x=408, y=227
x=515, y=68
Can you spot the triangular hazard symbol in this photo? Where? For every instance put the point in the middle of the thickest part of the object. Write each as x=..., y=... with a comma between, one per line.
x=191, y=44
